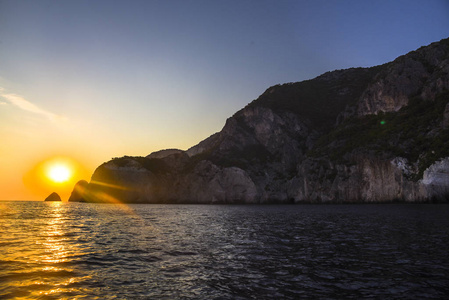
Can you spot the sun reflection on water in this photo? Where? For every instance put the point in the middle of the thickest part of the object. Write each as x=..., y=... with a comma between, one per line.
x=55, y=243
x=48, y=246
x=56, y=249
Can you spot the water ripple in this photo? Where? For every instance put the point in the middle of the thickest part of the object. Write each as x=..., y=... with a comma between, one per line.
x=95, y=251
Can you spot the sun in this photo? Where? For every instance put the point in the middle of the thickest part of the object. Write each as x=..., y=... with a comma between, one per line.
x=55, y=174
x=59, y=173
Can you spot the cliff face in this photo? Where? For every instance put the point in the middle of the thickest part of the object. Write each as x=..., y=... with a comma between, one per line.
x=359, y=135
x=422, y=72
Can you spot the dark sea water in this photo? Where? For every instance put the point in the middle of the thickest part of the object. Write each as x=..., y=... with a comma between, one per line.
x=101, y=251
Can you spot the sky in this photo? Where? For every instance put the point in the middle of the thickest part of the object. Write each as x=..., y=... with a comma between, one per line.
x=86, y=81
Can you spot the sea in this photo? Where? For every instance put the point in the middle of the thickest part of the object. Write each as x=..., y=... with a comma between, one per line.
x=60, y=250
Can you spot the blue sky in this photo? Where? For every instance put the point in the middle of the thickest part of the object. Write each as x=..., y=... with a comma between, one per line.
x=98, y=79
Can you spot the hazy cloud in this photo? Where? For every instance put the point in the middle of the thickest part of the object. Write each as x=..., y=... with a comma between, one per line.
x=26, y=105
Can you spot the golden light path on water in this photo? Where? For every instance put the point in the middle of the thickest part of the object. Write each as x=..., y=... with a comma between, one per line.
x=57, y=250
x=61, y=248
x=46, y=251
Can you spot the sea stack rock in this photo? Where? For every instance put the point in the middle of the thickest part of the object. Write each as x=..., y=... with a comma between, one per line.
x=53, y=197
x=79, y=191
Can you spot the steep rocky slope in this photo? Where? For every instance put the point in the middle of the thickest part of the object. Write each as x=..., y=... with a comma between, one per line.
x=359, y=135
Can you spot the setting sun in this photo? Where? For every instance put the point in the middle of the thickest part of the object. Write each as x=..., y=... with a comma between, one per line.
x=54, y=174
x=59, y=173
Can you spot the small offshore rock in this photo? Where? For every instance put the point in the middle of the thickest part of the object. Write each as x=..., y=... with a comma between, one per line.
x=53, y=197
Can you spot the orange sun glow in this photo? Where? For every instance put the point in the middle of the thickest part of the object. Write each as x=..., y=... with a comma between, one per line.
x=59, y=172
x=55, y=174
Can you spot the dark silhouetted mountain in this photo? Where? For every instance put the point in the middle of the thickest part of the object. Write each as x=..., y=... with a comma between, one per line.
x=374, y=134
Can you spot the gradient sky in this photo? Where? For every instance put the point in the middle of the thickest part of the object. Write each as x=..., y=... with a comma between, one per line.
x=92, y=80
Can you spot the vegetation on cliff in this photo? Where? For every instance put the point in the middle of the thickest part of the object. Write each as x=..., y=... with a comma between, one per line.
x=319, y=100
x=415, y=132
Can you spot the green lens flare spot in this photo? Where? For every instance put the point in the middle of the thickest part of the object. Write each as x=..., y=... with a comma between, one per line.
x=382, y=122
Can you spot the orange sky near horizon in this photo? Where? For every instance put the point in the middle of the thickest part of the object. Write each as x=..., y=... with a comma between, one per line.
x=26, y=151
x=32, y=135
x=33, y=180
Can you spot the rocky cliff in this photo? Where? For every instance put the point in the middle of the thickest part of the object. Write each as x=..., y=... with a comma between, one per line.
x=359, y=135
